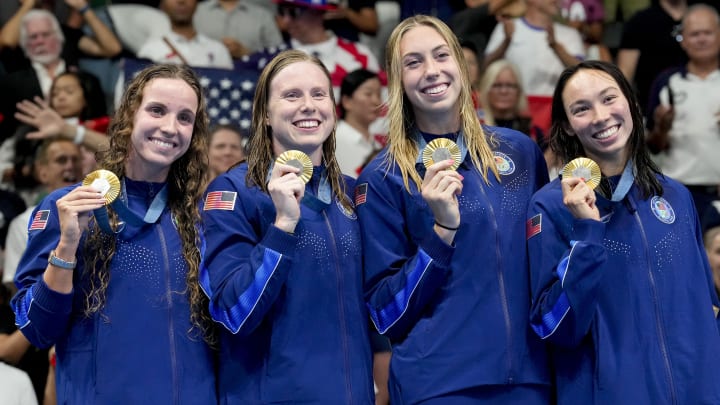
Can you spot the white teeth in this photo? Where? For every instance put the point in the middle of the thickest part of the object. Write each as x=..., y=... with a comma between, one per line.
x=606, y=133
x=161, y=143
x=307, y=124
x=436, y=89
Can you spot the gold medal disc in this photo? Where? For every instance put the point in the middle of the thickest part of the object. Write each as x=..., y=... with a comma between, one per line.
x=106, y=182
x=584, y=168
x=299, y=160
x=440, y=149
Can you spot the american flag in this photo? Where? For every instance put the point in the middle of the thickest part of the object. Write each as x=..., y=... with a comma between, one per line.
x=361, y=194
x=220, y=200
x=40, y=219
x=229, y=93
x=533, y=226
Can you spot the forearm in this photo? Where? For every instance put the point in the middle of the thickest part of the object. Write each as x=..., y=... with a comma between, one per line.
x=365, y=20
x=498, y=53
x=13, y=347
x=566, y=59
x=92, y=140
x=106, y=44
x=10, y=33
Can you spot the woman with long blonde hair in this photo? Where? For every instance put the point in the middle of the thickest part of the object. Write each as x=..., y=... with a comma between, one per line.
x=115, y=287
x=445, y=266
x=282, y=263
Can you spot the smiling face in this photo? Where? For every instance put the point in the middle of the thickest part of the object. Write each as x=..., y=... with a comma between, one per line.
x=431, y=78
x=300, y=110
x=599, y=115
x=60, y=166
x=162, y=128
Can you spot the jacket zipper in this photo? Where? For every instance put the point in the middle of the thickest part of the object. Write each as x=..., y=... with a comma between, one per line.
x=171, y=329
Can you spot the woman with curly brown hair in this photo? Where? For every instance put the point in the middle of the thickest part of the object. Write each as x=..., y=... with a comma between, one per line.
x=115, y=287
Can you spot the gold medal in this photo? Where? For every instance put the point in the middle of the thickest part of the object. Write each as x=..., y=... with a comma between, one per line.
x=440, y=149
x=299, y=160
x=106, y=182
x=583, y=168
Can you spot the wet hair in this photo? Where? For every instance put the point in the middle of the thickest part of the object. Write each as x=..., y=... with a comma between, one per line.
x=260, y=146
x=351, y=82
x=489, y=78
x=185, y=183
x=403, y=148
x=95, y=106
x=568, y=147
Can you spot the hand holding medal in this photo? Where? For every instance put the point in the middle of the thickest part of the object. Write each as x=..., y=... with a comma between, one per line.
x=584, y=168
x=441, y=149
x=298, y=160
x=580, y=200
x=104, y=181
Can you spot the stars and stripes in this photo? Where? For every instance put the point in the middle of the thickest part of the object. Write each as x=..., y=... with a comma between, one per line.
x=533, y=226
x=361, y=194
x=39, y=221
x=220, y=200
x=229, y=92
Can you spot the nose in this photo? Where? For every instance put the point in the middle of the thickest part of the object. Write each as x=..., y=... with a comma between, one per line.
x=169, y=124
x=601, y=115
x=432, y=69
x=308, y=105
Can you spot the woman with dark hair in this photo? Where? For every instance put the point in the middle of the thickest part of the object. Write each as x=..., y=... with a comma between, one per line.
x=115, y=285
x=360, y=105
x=445, y=272
x=282, y=261
x=622, y=289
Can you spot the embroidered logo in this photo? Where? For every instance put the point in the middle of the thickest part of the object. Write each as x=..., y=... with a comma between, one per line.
x=533, y=226
x=220, y=200
x=361, y=194
x=349, y=212
x=662, y=210
x=39, y=221
x=504, y=164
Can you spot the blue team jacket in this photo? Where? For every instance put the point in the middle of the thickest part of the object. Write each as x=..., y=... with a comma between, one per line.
x=295, y=327
x=139, y=348
x=457, y=315
x=627, y=302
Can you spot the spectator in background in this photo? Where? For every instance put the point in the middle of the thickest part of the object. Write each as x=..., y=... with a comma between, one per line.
x=226, y=148
x=360, y=104
x=711, y=237
x=473, y=65
x=476, y=23
x=650, y=44
x=684, y=104
x=303, y=20
x=351, y=18
x=42, y=41
x=184, y=44
x=587, y=16
x=541, y=49
x=242, y=26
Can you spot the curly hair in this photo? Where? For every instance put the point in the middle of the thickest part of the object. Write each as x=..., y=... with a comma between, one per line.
x=185, y=184
x=403, y=148
x=260, y=148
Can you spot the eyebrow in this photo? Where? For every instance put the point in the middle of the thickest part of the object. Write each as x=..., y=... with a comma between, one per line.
x=437, y=48
x=602, y=93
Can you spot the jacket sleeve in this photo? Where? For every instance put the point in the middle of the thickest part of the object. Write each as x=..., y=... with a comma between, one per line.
x=43, y=315
x=244, y=262
x=401, y=277
x=565, y=264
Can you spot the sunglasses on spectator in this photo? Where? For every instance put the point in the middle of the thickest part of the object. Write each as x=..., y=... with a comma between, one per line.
x=504, y=86
x=290, y=11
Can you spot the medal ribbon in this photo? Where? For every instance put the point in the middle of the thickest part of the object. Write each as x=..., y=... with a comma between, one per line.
x=626, y=181
x=127, y=215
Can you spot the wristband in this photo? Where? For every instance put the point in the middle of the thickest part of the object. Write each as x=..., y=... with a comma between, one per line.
x=58, y=262
x=447, y=227
x=79, y=134
x=84, y=10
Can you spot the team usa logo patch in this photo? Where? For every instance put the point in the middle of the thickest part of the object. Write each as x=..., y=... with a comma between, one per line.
x=361, y=194
x=220, y=200
x=533, y=226
x=349, y=212
x=504, y=164
x=39, y=221
x=662, y=210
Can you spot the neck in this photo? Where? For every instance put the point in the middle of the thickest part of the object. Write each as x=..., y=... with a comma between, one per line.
x=612, y=167
x=146, y=174
x=703, y=68
x=675, y=8
x=438, y=124
x=537, y=18
x=228, y=5
x=504, y=114
x=359, y=125
x=185, y=30
x=51, y=67
x=314, y=35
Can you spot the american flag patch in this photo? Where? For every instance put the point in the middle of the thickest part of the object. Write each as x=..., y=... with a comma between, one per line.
x=220, y=200
x=361, y=194
x=533, y=226
x=39, y=221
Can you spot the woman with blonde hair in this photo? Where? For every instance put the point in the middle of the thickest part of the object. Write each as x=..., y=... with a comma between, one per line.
x=115, y=287
x=282, y=263
x=445, y=266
